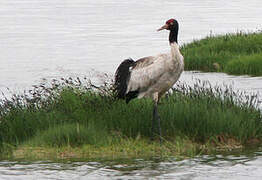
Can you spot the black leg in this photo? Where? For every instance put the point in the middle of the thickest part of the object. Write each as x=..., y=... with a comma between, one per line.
x=159, y=129
x=156, y=118
x=153, y=124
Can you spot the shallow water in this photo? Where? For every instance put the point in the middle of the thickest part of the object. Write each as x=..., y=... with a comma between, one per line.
x=236, y=166
x=52, y=39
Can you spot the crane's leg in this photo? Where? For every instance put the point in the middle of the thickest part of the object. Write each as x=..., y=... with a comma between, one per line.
x=153, y=125
x=156, y=117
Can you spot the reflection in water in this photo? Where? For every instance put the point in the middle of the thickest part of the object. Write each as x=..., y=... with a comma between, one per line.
x=203, y=167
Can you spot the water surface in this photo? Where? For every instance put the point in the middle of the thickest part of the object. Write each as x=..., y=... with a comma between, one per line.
x=54, y=38
x=233, y=167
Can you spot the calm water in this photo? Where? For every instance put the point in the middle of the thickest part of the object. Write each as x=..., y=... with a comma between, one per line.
x=233, y=167
x=55, y=38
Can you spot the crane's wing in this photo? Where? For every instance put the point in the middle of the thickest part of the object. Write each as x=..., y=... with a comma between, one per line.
x=143, y=62
x=123, y=75
x=146, y=72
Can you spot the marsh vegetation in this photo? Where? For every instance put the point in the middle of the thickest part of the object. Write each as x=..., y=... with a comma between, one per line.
x=234, y=53
x=90, y=121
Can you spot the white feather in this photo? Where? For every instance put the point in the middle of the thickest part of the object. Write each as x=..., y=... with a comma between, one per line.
x=159, y=76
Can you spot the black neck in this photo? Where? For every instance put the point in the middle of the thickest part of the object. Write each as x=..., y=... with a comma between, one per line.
x=173, y=32
x=173, y=35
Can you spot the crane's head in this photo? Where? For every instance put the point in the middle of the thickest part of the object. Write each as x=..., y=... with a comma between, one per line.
x=171, y=24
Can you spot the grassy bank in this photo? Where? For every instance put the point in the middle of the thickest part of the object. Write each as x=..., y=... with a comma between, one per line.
x=238, y=53
x=78, y=119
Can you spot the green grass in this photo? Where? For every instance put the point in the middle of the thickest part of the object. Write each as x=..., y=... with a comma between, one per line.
x=250, y=64
x=70, y=114
x=216, y=53
x=73, y=134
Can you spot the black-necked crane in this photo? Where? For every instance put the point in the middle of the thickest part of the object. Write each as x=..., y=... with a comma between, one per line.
x=151, y=76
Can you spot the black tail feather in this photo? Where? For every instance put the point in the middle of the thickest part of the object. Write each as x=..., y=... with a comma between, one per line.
x=131, y=95
x=122, y=77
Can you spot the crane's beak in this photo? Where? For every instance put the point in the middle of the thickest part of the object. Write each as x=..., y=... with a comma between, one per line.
x=163, y=27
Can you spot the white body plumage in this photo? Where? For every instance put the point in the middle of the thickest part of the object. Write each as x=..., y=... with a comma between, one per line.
x=156, y=74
